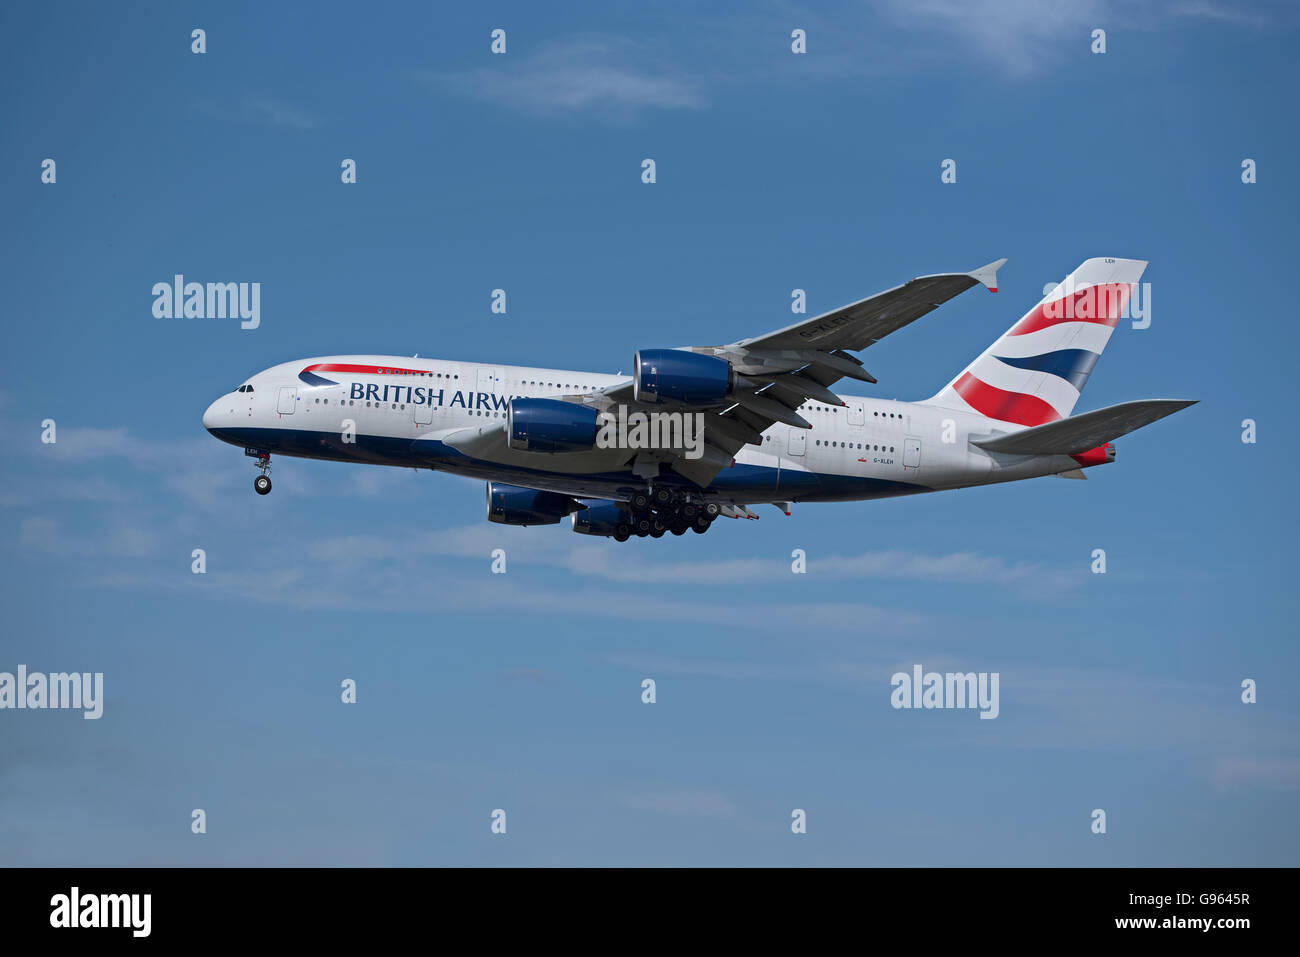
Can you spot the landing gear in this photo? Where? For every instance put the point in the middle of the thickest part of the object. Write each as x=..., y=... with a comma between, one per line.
x=664, y=509
x=262, y=484
x=622, y=532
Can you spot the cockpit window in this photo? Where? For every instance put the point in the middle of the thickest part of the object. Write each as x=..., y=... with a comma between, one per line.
x=245, y=388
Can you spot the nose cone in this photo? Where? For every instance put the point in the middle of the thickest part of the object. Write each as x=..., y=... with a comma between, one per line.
x=211, y=418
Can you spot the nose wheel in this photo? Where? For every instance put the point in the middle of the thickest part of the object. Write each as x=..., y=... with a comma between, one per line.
x=262, y=484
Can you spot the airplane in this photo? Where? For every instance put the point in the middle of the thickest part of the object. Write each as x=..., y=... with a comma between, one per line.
x=769, y=428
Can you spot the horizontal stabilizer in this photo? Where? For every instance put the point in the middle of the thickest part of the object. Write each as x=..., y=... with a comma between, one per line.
x=1083, y=432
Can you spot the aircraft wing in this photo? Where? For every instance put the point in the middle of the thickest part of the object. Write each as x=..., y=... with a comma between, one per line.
x=778, y=372
x=862, y=323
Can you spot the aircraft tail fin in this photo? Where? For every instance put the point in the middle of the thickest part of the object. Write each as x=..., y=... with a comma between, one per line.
x=1035, y=372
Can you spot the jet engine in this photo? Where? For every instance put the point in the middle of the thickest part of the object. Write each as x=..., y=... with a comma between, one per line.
x=690, y=377
x=550, y=425
x=605, y=519
x=512, y=505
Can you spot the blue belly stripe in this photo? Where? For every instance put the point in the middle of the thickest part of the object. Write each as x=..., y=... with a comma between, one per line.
x=754, y=483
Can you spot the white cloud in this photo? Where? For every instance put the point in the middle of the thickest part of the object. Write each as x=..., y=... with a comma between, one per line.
x=588, y=73
x=956, y=567
x=702, y=803
x=1273, y=773
x=608, y=561
x=195, y=470
x=1223, y=12
x=1021, y=36
x=1024, y=37
x=274, y=112
x=119, y=540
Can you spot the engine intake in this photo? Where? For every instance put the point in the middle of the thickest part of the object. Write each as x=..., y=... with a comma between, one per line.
x=671, y=374
x=549, y=425
x=512, y=505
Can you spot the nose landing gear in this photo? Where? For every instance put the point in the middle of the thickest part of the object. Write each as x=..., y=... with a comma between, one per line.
x=262, y=484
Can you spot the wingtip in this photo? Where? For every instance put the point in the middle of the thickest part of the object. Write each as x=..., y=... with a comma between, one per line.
x=988, y=275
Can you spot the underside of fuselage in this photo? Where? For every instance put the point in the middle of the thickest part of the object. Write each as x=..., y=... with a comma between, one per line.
x=742, y=484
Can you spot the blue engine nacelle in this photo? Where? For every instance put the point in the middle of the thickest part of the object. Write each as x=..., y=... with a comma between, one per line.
x=605, y=519
x=550, y=425
x=512, y=505
x=689, y=377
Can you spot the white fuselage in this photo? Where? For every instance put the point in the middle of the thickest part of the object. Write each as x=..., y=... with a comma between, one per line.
x=390, y=410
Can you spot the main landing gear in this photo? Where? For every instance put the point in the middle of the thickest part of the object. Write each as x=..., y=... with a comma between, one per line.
x=661, y=510
x=262, y=484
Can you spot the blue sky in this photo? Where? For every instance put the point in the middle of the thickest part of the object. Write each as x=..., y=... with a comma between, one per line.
x=775, y=171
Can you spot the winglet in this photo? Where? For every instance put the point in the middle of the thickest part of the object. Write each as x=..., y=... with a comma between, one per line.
x=988, y=275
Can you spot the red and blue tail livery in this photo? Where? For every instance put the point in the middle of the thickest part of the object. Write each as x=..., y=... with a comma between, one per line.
x=1036, y=371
